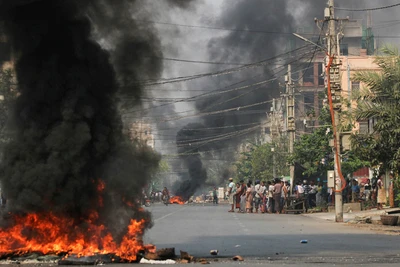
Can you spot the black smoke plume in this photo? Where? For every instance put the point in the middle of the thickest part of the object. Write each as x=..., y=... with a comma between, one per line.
x=192, y=160
x=278, y=19
x=67, y=133
x=239, y=46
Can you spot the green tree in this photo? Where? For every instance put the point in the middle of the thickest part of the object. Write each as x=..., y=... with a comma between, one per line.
x=314, y=153
x=380, y=100
x=258, y=162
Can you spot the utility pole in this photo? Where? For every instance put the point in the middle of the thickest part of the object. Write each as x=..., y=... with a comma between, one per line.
x=291, y=122
x=335, y=88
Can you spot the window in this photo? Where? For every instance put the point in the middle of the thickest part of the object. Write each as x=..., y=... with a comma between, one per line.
x=344, y=49
x=355, y=86
x=363, y=127
x=321, y=71
x=308, y=73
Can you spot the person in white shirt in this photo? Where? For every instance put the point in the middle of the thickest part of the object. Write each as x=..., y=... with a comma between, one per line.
x=271, y=189
x=231, y=193
x=259, y=194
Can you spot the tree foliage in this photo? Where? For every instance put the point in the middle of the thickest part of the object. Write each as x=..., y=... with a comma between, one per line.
x=315, y=154
x=380, y=100
x=312, y=151
x=257, y=163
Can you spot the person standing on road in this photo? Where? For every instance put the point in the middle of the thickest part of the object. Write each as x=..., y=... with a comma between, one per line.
x=381, y=199
x=258, y=188
x=243, y=191
x=277, y=196
x=319, y=194
x=249, y=198
x=231, y=193
x=367, y=190
x=271, y=189
x=307, y=190
x=312, y=195
x=240, y=189
x=285, y=195
x=165, y=196
x=237, y=196
x=264, y=197
x=355, y=191
x=253, y=192
x=215, y=196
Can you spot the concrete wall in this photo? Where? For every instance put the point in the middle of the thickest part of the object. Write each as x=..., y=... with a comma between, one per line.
x=351, y=65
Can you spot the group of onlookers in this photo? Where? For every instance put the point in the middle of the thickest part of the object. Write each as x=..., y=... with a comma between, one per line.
x=365, y=191
x=273, y=196
x=266, y=197
x=313, y=194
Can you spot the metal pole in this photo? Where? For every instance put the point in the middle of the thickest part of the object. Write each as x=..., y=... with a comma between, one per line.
x=274, y=162
x=334, y=49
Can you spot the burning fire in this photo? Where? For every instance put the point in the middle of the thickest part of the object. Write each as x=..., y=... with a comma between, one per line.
x=47, y=233
x=51, y=234
x=176, y=200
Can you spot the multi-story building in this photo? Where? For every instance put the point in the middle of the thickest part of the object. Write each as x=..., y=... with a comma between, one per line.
x=142, y=132
x=357, y=47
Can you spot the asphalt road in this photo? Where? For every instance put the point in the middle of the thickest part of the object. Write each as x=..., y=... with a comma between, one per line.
x=267, y=238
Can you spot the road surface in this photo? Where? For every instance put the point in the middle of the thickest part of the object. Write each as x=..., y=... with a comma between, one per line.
x=267, y=238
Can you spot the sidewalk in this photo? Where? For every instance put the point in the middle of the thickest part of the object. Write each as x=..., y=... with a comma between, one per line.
x=350, y=219
x=347, y=217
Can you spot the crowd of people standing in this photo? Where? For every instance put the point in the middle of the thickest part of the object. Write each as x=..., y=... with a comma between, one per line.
x=274, y=196
x=266, y=197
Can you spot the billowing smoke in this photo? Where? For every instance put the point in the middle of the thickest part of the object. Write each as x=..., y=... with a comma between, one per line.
x=269, y=25
x=67, y=133
x=230, y=128
x=192, y=161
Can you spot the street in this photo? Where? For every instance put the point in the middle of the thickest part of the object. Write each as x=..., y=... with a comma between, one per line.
x=266, y=238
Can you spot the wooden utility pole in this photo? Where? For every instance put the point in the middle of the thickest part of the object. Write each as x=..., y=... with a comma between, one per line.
x=335, y=89
x=291, y=122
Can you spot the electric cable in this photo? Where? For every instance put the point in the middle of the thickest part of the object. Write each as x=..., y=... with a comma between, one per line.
x=260, y=63
x=216, y=92
x=368, y=9
x=215, y=27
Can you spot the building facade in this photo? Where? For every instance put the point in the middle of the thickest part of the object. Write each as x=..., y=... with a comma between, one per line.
x=142, y=132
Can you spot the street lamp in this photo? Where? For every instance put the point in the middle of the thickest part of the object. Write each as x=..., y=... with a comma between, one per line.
x=273, y=162
x=309, y=41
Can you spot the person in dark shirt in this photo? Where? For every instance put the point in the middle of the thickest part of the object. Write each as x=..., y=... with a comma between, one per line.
x=355, y=191
x=215, y=196
x=277, y=196
x=307, y=189
x=367, y=190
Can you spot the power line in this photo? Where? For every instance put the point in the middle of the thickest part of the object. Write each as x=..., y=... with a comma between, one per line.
x=216, y=91
x=215, y=136
x=217, y=73
x=216, y=28
x=210, y=128
x=368, y=9
x=216, y=112
x=201, y=61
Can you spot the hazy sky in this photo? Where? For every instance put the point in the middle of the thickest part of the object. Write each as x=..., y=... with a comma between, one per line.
x=189, y=43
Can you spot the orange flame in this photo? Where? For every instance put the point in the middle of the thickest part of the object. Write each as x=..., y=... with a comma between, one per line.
x=177, y=200
x=48, y=233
